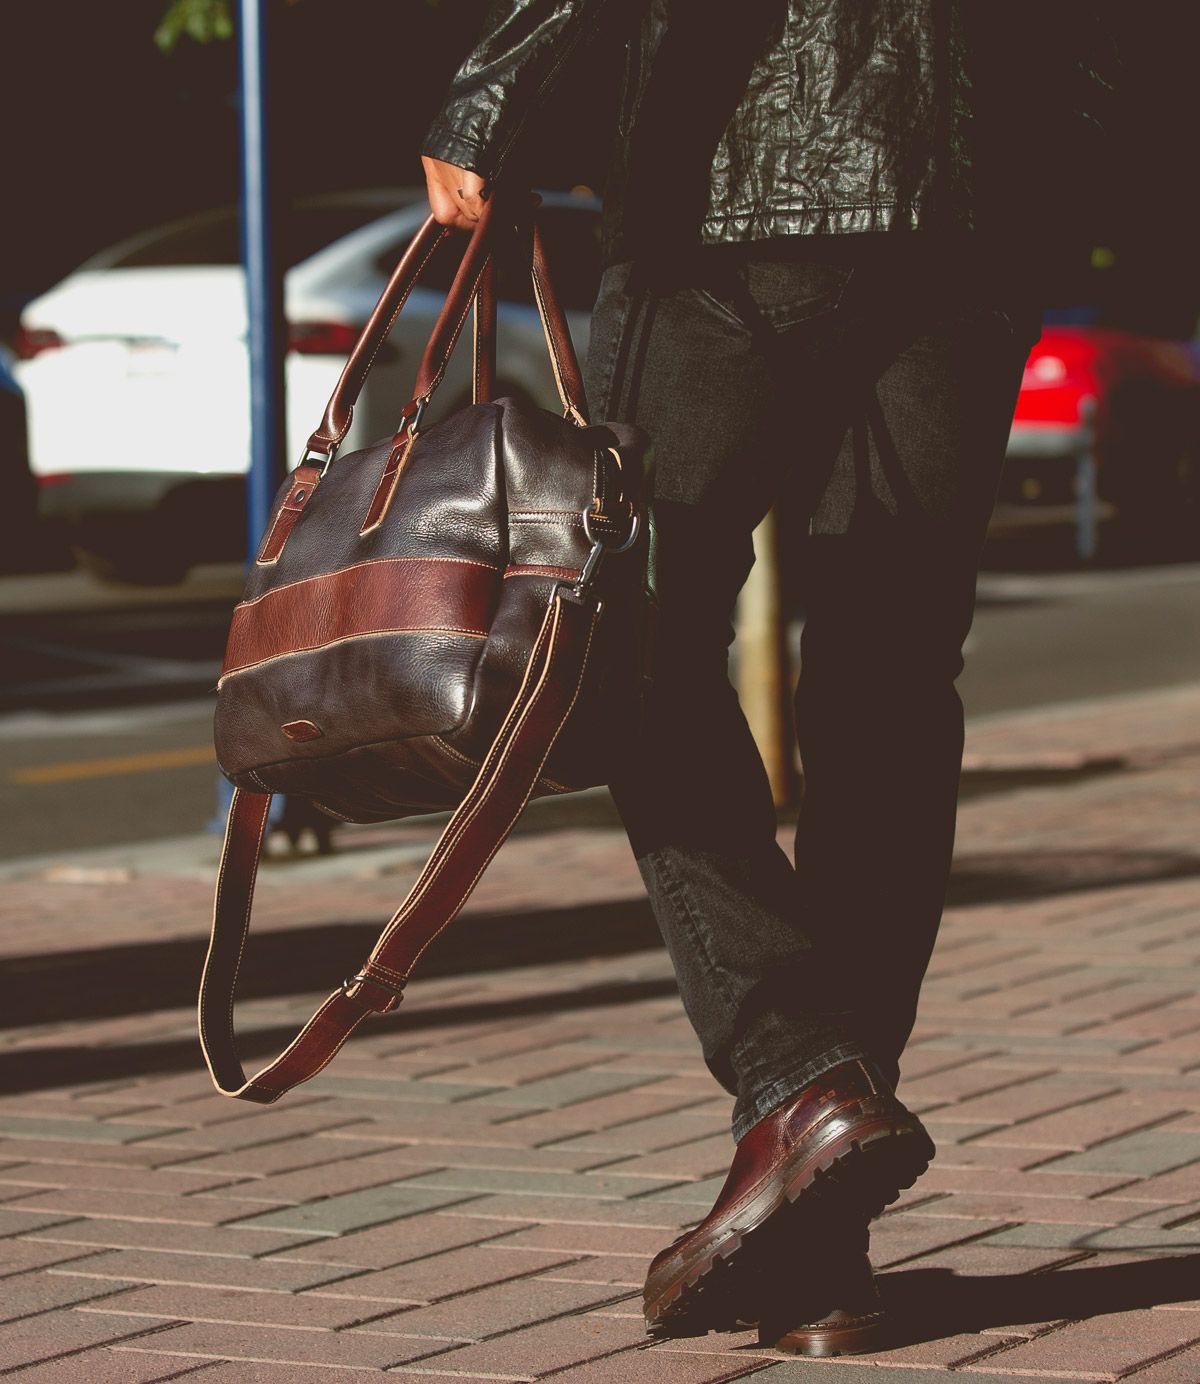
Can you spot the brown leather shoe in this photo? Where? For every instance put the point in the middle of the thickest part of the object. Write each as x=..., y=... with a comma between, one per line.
x=844, y=1147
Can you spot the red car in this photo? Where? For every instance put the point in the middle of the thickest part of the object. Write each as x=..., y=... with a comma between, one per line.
x=1106, y=437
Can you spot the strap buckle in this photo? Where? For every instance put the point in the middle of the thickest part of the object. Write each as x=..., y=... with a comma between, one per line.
x=325, y=458
x=412, y=414
x=395, y=993
x=601, y=547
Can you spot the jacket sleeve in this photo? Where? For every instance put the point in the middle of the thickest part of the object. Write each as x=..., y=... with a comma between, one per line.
x=525, y=48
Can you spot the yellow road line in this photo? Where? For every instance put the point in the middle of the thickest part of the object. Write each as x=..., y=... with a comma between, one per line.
x=119, y=764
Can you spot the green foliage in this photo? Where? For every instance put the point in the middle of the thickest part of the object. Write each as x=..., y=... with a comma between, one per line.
x=200, y=20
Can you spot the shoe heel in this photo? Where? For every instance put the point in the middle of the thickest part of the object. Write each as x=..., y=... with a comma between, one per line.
x=873, y=1150
x=851, y=1338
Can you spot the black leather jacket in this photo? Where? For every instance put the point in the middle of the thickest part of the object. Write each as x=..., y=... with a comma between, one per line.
x=793, y=117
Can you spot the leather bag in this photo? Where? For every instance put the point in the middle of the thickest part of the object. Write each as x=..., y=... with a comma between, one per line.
x=447, y=619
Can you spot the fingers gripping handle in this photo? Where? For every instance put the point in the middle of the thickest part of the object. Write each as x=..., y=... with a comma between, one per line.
x=458, y=303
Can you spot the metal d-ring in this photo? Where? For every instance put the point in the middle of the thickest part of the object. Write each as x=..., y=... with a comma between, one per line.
x=600, y=550
x=325, y=458
x=413, y=421
x=397, y=991
x=594, y=539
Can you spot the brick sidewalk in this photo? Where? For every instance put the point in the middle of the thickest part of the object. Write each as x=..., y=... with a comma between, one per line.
x=475, y=1189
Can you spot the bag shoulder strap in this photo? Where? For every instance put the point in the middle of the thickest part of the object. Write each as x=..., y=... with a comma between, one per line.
x=474, y=834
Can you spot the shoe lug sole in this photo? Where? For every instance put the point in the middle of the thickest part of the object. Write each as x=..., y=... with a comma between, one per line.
x=827, y=1163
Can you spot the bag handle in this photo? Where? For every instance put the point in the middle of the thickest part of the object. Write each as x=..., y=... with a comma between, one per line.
x=463, y=292
x=502, y=786
x=483, y=344
x=568, y=378
x=339, y=412
x=474, y=274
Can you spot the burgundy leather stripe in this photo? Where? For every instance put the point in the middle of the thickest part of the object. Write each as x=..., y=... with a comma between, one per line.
x=449, y=594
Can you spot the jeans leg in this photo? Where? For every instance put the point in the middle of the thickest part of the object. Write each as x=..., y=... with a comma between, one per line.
x=693, y=792
x=889, y=594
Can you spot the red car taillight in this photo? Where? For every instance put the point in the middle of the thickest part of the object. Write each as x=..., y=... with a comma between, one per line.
x=321, y=338
x=32, y=341
x=1060, y=374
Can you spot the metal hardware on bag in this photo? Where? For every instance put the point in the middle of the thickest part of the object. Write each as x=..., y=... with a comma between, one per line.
x=600, y=549
x=630, y=539
x=590, y=567
x=396, y=991
x=577, y=595
x=414, y=422
x=325, y=458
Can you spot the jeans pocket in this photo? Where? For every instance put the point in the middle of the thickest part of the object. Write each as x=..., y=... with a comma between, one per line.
x=781, y=293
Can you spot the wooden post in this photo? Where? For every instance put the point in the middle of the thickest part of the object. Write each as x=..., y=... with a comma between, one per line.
x=764, y=682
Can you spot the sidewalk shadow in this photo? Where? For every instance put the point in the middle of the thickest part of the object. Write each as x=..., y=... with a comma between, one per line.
x=137, y=977
x=147, y=976
x=43, y=1068
x=143, y=977
x=932, y=1304
x=999, y=876
x=104, y=982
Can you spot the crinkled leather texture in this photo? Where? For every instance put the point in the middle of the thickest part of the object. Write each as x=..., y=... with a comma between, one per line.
x=786, y=117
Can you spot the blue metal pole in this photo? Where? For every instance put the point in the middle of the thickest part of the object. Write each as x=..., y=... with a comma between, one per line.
x=266, y=330
x=264, y=275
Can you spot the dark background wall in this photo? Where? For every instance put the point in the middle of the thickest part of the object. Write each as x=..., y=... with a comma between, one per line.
x=105, y=134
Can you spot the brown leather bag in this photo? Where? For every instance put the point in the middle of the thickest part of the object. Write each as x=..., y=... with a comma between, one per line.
x=436, y=621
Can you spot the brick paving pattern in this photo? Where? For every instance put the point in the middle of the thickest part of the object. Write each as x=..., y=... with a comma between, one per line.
x=474, y=1190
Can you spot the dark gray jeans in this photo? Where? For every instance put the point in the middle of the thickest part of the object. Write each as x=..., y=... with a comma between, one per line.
x=863, y=385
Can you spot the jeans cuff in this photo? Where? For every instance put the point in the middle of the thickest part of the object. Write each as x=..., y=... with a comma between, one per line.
x=750, y=1108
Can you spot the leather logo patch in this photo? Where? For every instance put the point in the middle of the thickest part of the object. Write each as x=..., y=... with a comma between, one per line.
x=302, y=730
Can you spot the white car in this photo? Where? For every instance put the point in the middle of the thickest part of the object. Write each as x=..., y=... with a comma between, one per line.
x=135, y=369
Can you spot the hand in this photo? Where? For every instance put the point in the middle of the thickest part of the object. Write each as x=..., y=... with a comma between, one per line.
x=456, y=195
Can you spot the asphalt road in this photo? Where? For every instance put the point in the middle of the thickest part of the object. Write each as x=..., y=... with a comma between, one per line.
x=105, y=694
